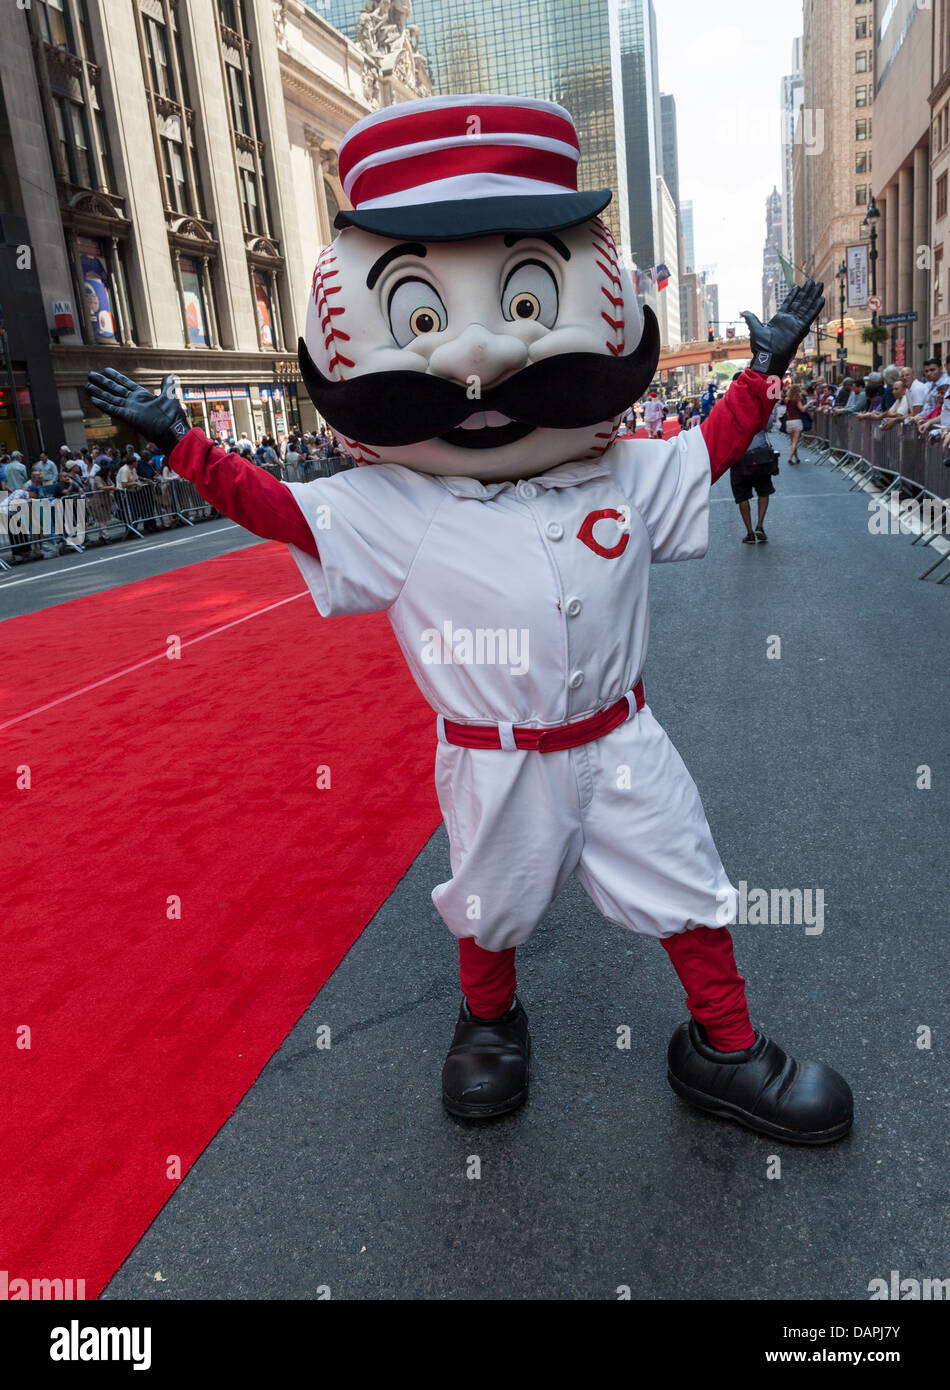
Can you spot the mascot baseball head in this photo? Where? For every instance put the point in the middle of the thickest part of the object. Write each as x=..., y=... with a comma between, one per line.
x=472, y=317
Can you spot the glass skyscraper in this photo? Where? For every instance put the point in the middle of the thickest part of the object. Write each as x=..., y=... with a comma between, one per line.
x=596, y=57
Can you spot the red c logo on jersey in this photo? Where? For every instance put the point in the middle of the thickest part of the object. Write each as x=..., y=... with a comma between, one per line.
x=586, y=533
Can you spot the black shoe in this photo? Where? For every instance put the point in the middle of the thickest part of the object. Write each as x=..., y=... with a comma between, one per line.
x=760, y=536
x=761, y=1088
x=486, y=1070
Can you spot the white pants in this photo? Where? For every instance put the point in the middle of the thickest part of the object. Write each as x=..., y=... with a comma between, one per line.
x=622, y=813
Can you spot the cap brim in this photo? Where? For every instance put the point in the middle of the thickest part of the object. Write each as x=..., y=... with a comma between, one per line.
x=472, y=217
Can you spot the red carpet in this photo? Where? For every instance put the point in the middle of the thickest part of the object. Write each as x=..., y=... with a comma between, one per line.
x=670, y=427
x=195, y=780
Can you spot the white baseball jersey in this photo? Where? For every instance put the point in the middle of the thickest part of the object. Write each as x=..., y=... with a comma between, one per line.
x=527, y=604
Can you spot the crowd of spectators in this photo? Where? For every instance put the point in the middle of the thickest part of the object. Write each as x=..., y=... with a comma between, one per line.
x=897, y=398
x=99, y=474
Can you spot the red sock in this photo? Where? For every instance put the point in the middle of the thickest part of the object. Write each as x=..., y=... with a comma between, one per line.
x=487, y=978
x=715, y=991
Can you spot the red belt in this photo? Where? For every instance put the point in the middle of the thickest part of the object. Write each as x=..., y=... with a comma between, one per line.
x=543, y=740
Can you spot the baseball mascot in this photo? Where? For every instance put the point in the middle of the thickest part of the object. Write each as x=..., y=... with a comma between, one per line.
x=474, y=339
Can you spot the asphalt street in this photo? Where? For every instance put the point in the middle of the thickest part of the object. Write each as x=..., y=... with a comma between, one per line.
x=340, y=1169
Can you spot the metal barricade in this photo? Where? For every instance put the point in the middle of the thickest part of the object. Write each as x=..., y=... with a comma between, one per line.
x=906, y=466
x=188, y=503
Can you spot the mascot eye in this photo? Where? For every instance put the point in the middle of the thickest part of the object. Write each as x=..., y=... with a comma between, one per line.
x=415, y=310
x=530, y=293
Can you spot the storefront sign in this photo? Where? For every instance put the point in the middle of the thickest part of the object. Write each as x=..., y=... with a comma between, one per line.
x=241, y=393
x=63, y=316
x=193, y=393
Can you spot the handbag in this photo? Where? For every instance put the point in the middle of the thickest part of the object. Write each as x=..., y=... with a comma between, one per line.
x=765, y=457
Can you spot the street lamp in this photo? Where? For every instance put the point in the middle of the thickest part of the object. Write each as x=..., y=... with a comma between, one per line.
x=842, y=280
x=870, y=221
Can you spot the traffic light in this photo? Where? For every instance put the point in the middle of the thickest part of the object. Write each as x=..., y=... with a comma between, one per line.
x=840, y=336
x=712, y=336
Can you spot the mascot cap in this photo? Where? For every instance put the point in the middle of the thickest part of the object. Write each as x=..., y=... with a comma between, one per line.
x=450, y=167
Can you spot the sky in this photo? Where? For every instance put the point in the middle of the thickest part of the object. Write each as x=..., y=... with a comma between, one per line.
x=724, y=63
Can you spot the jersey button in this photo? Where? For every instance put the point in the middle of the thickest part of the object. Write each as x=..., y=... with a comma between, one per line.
x=574, y=606
x=577, y=680
x=527, y=491
x=555, y=530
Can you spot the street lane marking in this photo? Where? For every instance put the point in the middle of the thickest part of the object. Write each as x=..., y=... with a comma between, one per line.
x=120, y=555
x=161, y=656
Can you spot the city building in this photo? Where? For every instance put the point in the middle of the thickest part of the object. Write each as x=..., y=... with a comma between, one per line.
x=169, y=167
x=695, y=323
x=668, y=300
x=687, y=262
x=773, y=278
x=904, y=56
x=711, y=302
x=598, y=58
x=792, y=93
x=330, y=82
x=939, y=175
x=670, y=145
x=834, y=128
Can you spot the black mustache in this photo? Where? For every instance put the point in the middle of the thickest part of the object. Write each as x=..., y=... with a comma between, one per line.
x=568, y=392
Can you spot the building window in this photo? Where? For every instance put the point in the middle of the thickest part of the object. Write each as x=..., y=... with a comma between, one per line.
x=861, y=27
x=54, y=26
x=157, y=54
x=80, y=147
x=941, y=196
x=861, y=195
x=193, y=307
x=861, y=164
x=238, y=101
x=97, y=289
x=176, y=184
x=938, y=280
x=264, y=300
x=102, y=145
x=861, y=61
x=72, y=140
x=861, y=95
x=252, y=211
x=861, y=130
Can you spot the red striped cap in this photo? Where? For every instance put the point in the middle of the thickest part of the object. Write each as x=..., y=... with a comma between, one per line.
x=459, y=166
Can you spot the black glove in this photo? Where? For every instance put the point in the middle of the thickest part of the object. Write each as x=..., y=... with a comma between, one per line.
x=775, y=343
x=160, y=418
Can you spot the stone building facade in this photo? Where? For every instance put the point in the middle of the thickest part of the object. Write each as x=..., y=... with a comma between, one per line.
x=939, y=103
x=170, y=169
x=904, y=58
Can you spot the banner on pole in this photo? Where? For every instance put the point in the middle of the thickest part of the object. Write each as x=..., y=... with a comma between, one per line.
x=858, y=276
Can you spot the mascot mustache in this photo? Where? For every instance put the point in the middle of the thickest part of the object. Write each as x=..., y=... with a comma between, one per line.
x=571, y=391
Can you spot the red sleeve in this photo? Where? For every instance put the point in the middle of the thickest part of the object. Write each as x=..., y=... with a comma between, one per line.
x=242, y=491
x=734, y=422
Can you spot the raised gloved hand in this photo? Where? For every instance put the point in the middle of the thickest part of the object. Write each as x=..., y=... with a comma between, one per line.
x=160, y=418
x=775, y=343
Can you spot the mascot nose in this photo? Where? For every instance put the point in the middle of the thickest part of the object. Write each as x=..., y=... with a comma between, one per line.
x=480, y=353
